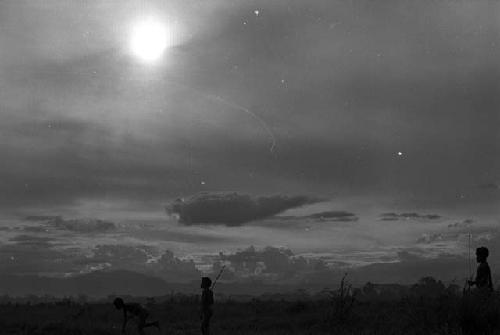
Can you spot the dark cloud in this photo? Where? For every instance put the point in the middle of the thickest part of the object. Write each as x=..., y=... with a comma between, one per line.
x=87, y=225
x=335, y=216
x=407, y=216
x=232, y=209
x=298, y=221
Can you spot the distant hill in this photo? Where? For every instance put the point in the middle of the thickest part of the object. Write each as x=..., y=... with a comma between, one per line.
x=103, y=283
x=96, y=284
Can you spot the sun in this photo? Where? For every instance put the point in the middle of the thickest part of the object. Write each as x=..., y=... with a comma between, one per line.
x=149, y=39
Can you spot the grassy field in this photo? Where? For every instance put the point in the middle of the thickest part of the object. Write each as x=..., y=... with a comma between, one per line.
x=445, y=313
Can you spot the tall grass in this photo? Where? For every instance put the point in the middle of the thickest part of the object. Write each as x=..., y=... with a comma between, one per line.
x=344, y=311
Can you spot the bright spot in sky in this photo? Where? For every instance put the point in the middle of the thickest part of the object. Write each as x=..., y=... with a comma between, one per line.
x=400, y=153
x=149, y=39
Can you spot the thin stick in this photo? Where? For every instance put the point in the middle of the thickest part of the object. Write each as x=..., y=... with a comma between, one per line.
x=470, y=263
x=218, y=276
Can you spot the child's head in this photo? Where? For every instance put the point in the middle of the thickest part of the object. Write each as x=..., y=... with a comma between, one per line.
x=482, y=254
x=118, y=302
x=206, y=282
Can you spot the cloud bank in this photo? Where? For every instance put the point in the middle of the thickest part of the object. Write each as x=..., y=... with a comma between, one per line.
x=232, y=209
x=88, y=225
x=269, y=263
x=336, y=216
x=408, y=216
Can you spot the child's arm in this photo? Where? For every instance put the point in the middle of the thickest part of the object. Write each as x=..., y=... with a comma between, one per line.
x=478, y=275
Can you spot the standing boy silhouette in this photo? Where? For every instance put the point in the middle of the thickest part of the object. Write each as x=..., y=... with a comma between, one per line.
x=207, y=300
x=483, y=274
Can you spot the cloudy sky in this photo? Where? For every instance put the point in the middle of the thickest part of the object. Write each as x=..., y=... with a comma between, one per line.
x=350, y=131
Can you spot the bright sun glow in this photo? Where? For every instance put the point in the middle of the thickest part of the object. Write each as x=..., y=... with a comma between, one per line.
x=149, y=39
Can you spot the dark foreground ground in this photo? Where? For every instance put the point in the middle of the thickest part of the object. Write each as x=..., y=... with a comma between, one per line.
x=338, y=314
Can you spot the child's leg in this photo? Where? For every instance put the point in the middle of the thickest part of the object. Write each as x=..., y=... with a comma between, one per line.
x=205, y=324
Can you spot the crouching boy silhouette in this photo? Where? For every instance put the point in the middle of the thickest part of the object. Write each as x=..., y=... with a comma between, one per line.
x=132, y=310
x=207, y=300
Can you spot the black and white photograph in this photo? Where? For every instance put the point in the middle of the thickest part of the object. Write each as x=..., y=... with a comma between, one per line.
x=249, y=167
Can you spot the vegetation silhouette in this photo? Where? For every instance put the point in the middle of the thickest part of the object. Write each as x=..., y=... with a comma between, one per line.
x=426, y=307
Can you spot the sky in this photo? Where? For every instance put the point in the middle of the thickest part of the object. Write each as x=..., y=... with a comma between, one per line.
x=354, y=132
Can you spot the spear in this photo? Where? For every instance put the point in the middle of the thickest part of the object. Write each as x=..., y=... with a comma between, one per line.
x=470, y=264
x=218, y=276
x=467, y=281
